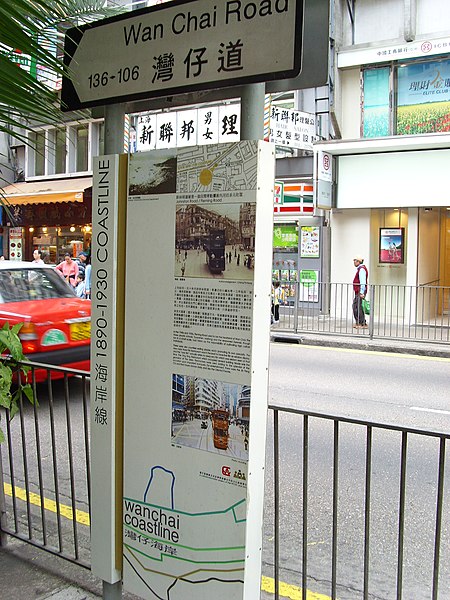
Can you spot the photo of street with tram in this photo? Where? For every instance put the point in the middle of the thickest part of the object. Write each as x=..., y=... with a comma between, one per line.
x=215, y=243
x=211, y=415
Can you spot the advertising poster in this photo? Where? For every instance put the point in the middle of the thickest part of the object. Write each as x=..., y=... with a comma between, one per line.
x=15, y=243
x=424, y=98
x=285, y=236
x=392, y=243
x=376, y=102
x=310, y=242
x=198, y=290
x=309, y=286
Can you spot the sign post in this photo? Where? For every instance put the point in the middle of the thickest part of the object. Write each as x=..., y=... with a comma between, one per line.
x=181, y=47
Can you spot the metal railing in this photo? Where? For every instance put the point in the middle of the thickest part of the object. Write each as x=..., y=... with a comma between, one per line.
x=45, y=466
x=45, y=481
x=420, y=313
x=359, y=501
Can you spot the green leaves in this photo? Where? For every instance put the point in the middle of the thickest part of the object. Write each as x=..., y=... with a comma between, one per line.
x=33, y=30
x=12, y=374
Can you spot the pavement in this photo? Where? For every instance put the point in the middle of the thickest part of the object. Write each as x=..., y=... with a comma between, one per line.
x=29, y=573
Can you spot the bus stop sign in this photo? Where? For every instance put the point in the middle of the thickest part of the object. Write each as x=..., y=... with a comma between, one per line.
x=181, y=47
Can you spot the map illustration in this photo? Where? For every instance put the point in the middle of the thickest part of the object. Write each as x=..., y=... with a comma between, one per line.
x=178, y=554
x=215, y=168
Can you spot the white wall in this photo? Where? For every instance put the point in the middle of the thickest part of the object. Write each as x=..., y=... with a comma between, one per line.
x=382, y=20
x=350, y=236
x=395, y=179
x=350, y=110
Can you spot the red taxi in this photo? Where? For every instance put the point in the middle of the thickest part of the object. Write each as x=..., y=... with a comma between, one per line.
x=56, y=324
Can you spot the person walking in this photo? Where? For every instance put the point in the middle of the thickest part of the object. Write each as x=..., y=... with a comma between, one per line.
x=69, y=269
x=277, y=297
x=360, y=287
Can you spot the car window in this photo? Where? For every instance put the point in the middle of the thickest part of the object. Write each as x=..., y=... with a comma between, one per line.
x=19, y=285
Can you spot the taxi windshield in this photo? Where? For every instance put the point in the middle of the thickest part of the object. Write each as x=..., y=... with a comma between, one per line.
x=22, y=285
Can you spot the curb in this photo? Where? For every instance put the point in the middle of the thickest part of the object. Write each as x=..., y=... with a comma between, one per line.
x=413, y=348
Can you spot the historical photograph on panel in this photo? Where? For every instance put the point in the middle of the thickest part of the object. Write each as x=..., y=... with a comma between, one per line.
x=211, y=415
x=151, y=173
x=216, y=241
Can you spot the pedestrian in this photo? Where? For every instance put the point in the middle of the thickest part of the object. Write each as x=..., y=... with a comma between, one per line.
x=360, y=286
x=183, y=268
x=82, y=260
x=37, y=257
x=185, y=255
x=69, y=269
x=238, y=260
x=87, y=277
x=80, y=288
x=277, y=297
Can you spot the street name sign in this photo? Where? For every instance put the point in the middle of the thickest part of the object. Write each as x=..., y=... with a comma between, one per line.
x=181, y=47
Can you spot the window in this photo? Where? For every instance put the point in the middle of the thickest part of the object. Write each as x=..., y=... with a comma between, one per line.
x=66, y=148
x=82, y=147
x=421, y=94
x=60, y=151
x=376, y=112
x=37, y=140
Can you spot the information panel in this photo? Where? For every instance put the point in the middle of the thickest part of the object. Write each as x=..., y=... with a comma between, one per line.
x=198, y=274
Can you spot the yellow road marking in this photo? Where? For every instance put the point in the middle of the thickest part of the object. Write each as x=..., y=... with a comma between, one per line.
x=289, y=591
x=65, y=511
x=376, y=352
x=292, y=592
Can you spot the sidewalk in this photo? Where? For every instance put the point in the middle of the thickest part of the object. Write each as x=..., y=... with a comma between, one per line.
x=28, y=573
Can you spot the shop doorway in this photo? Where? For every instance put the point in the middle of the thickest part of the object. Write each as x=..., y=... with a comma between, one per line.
x=444, y=267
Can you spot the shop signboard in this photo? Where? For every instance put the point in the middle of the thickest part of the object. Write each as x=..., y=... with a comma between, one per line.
x=392, y=245
x=278, y=193
x=291, y=128
x=181, y=47
x=192, y=127
x=196, y=355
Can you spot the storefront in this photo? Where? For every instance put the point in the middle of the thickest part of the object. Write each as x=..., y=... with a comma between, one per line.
x=52, y=216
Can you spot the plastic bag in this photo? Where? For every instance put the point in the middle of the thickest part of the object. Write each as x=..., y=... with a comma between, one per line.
x=365, y=306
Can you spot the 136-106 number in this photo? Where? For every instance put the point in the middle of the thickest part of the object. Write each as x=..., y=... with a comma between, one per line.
x=123, y=75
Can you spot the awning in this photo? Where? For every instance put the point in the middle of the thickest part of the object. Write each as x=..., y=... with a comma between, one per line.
x=45, y=192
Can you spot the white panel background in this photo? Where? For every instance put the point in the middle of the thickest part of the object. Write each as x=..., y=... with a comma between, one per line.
x=395, y=179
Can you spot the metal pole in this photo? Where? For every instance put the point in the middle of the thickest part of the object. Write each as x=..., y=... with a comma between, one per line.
x=114, y=128
x=252, y=111
x=3, y=537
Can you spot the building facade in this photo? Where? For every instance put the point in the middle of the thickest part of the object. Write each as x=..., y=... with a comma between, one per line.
x=391, y=142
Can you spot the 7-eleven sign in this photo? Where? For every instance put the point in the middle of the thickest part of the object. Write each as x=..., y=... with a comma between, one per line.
x=278, y=194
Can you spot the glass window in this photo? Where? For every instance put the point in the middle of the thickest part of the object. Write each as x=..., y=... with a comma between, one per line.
x=60, y=151
x=22, y=285
x=37, y=140
x=82, y=137
x=423, y=97
x=376, y=102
